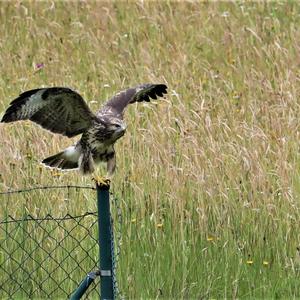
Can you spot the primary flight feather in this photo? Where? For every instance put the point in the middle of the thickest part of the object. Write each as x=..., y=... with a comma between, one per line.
x=62, y=110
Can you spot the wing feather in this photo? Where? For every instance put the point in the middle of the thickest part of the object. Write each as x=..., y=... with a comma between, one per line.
x=118, y=103
x=60, y=110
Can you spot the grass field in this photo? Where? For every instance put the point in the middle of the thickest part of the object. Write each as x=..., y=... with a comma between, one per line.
x=209, y=177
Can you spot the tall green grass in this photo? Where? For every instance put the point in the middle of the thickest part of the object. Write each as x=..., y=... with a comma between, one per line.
x=209, y=177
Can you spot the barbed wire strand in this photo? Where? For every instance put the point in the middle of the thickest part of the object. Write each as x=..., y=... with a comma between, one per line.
x=48, y=217
x=46, y=187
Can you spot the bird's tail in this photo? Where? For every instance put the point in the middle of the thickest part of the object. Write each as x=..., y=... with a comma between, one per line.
x=66, y=160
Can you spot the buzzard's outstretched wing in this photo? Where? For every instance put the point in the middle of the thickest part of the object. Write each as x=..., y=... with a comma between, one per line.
x=117, y=104
x=57, y=109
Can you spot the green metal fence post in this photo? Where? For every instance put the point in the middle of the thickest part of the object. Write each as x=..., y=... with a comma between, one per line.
x=105, y=243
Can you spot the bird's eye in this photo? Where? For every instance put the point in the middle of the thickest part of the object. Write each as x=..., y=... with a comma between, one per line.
x=118, y=125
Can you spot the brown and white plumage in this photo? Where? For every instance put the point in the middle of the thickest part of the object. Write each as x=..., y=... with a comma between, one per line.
x=62, y=110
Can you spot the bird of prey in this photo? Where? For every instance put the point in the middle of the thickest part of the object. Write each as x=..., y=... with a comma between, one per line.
x=62, y=110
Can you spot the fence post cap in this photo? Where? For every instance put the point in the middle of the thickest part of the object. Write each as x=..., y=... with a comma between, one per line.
x=103, y=186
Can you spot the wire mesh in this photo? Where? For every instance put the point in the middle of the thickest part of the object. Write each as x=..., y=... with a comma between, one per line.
x=47, y=257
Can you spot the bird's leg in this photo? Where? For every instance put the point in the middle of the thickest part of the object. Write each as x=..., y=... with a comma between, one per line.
x=111, y=166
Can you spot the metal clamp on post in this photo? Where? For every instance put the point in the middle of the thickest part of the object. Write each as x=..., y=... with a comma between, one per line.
x=105, y=273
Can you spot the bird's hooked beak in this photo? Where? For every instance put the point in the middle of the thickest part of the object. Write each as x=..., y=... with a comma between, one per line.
x=123, y=128
x=120, y=131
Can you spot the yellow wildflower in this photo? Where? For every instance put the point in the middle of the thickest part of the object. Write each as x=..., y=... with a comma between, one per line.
x=28, y=155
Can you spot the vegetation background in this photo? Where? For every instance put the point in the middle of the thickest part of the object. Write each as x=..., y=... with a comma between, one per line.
x=209, y=177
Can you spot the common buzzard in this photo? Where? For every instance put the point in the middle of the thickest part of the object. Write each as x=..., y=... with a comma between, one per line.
x=62, y=110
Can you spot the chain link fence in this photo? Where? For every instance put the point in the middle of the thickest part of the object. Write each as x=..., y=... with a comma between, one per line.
x=47, y=257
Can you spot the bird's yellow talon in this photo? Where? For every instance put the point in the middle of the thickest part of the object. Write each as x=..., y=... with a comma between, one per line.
x=102, y=181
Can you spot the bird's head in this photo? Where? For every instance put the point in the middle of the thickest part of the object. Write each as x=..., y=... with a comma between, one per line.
x=117, y=127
